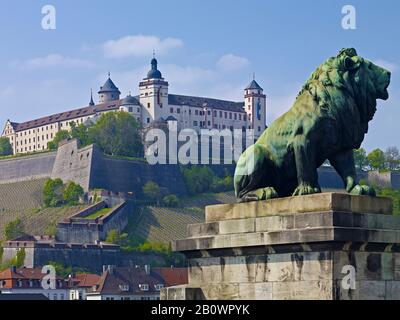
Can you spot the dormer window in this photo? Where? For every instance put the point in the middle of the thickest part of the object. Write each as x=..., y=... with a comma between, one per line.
x=159, y=286
x=124, y=287
x=144, y=287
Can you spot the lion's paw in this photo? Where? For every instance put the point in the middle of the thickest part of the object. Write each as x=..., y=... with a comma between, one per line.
x=260, y=194
x=304, y=189
x=363, y=190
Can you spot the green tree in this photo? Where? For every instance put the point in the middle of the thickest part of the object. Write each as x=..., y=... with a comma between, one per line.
x=376, y=159
x=59, y=136
x=392, y=158
x=53, y=192
x=117, y=133
x=152, y=191
x=5, y=147
x=81, y=133
x=116, y=237
x=14, y=229
x=394, y=194
x=171, y=200
x=360, y=159
x=72, y=192
x=198, y=179
x=19, y=258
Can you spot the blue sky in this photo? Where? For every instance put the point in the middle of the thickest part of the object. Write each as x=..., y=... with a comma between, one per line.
x=207, y=48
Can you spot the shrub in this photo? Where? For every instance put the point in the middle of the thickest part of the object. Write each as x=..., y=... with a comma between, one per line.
x=152, y=191
x=52, y=192
x=72, y=192
x=14, y=229
x=198, y=179
x=5, y=147
x=115, y=237
x=171, y=200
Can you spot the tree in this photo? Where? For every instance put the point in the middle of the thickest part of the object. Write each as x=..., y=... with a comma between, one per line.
x=376, y=159
x=152, y=191
x=81, y=133
x=360, y=159
x=59, y=136
x=5, y=147
x=392, y=158
x=53, y=192
x=171, y=200
x=117, y=133
x=198, y=179
x=72, y=192
x=116, y=237
x=14, y=229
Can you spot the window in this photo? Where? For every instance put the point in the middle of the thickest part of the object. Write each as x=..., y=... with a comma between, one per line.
x=209, y=112
x=195, y=123
x=159, y=286
x=240, y=116
x=148, y=105
x=209, y=123
x=235, y=116
x=196, y=112
x=148, y=120
x=178, y=110
x=259, y=128
x=130, y=109
x=190, y=111
x=144, y=287
x=220, y=114
x=226, y=115
x=171, y=110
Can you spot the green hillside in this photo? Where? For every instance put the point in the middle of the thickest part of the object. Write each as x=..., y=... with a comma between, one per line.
x=161, y=224
x=24, y=200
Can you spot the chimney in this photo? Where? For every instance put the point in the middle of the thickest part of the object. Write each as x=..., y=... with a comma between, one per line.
x=147, y=269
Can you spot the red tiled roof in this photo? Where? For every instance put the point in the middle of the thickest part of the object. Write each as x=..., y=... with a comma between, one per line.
x=173, y=276
x=87, y=279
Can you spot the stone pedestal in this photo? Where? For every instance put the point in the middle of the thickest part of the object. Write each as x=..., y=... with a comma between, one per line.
x=327, y=246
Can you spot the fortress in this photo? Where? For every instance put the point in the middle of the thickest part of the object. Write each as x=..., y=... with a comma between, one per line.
x=154, y=103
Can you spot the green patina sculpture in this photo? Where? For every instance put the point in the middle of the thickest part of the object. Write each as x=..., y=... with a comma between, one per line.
x=327, y=121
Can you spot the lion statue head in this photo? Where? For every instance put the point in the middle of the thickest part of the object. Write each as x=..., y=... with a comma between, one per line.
x=350, y=80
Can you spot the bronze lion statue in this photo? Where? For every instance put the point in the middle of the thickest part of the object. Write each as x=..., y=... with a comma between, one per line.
x=327, y=121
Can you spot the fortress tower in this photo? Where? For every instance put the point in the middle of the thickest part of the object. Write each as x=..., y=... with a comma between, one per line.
x=109, y=91
x=255, y=107
x=153, y=95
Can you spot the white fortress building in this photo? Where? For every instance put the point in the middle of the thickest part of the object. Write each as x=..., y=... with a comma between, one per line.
x=154, y=103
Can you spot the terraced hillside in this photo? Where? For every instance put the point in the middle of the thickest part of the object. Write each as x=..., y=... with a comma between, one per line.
x=24, y=200
x=160, y=224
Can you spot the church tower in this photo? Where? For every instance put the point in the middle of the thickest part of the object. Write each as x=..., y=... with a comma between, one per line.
x=109, y=91
x=153, y=95
x=255, y=107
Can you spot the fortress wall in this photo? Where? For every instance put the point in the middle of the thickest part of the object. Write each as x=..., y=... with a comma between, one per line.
x=121, y=175
x=90, y=258
x=26, y=168
x=73, y=164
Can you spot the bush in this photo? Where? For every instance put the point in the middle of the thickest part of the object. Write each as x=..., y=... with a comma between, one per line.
x=53, y=192
x=56, y=193
x=72, y=192
x=171, y=201
x=5, y=147
x=115, y=237
x=14, y=229
x=198, y=179
x=152, y=191
x=59, y=136
x=394, y=194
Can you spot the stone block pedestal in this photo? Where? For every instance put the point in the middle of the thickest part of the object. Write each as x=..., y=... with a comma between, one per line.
x=327, y=246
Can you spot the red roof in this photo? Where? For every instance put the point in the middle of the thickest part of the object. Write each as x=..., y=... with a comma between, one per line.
x=173, y=276
x=86, y=280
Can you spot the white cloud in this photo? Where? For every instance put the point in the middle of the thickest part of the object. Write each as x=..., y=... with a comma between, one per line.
x=53, y=60
x=139, y=45
x=231, y=62
x=386, y=64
